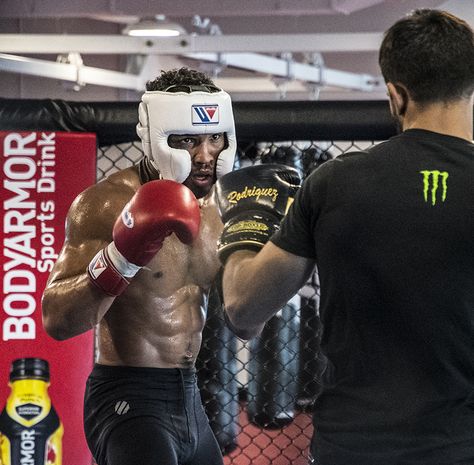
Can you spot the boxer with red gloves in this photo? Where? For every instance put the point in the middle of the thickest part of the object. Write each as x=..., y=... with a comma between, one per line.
x=137, y=264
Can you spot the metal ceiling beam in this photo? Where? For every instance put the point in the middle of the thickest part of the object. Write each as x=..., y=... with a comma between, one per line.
x=349, y=6
x=124, y=45
x=291, y=70
x=80, y=75
x=276, y=67
x=53, y=8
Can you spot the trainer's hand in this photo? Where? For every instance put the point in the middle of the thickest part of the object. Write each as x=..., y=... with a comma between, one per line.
x=252, y=202
x=158, y=209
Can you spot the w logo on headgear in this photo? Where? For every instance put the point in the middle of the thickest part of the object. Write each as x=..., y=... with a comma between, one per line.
x=205, y=114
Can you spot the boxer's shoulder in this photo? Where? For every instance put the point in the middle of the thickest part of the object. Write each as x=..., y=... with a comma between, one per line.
x=94, y=211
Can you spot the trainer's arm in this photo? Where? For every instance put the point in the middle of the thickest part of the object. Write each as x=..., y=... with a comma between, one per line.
x=257, y=285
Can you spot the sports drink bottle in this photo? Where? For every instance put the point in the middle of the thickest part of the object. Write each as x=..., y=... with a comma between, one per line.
x=30, y=429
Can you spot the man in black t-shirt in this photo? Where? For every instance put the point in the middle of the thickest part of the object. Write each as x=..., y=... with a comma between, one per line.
x=391, y=231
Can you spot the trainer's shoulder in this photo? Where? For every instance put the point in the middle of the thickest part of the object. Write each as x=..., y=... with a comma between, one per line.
x=339, y=163
x=354, y=157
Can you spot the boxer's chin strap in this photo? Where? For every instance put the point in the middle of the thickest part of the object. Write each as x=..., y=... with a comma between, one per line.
x=146, y=171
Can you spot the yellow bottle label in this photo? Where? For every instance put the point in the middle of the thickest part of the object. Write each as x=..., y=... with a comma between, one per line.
x=5, y=450
x=30, y=430
x=29, y=402
x=54, y=447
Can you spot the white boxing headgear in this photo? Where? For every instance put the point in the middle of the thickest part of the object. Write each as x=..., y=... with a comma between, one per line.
x=164, y=113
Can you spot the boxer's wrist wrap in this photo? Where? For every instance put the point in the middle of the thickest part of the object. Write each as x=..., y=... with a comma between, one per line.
x=109, y=271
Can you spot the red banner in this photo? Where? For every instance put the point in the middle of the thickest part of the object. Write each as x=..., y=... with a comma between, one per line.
x=42, y=172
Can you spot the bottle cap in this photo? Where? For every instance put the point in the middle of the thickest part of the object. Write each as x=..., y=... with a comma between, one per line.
x=29, y=368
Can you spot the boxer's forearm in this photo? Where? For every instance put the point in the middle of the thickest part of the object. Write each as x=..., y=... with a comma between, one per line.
x=72, y=306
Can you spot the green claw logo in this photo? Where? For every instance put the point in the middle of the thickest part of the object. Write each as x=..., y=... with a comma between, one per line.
x=431, y=182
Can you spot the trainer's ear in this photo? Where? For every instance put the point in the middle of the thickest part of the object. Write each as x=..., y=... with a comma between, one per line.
x=398, y=96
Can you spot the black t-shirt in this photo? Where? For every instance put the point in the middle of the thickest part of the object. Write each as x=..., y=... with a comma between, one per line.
x=392, y=232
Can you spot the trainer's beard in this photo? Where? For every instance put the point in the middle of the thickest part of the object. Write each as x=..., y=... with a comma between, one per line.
x=398, y=108
x=397, y=119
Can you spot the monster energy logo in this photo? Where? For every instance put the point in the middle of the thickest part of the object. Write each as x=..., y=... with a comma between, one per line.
x=431, y=182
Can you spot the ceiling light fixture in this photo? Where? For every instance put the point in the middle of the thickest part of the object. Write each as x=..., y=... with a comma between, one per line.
x=157, y=26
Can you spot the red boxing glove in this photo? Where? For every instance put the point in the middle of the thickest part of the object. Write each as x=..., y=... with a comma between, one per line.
x=158, y=209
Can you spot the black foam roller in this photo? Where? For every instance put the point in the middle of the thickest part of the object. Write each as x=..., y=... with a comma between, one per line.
x=217, y=376
x=273, y=369
x=311, y=362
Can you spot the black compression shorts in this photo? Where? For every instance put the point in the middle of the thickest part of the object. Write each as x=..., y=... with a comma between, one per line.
x=152, y=416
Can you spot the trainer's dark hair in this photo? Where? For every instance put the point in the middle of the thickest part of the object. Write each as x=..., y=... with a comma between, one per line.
x=431, y=53
x=177, y=77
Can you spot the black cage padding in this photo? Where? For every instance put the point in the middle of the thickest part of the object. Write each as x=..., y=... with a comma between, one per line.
x=115, y=122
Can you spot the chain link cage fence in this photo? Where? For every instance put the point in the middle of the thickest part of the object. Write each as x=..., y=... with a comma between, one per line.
x=258, y=394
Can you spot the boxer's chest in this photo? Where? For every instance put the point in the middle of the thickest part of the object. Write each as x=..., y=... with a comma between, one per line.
x=178, y=265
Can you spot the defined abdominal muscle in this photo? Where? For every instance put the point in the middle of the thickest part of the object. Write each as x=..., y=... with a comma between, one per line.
x=155, y=332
